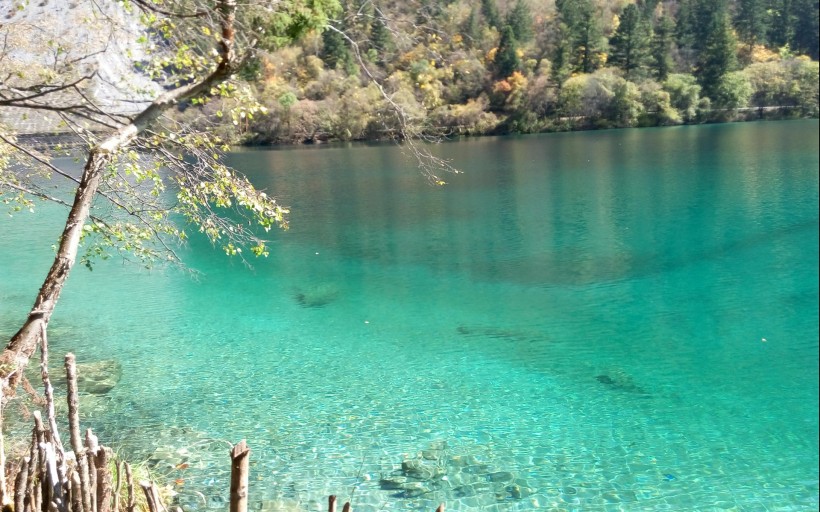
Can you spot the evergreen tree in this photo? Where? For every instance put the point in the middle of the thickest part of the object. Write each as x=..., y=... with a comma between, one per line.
x=581, y=27
x=807, y=28
x=751, y=21
x=781, y=22
x=381, y=39
x=472, y=27
x=357, y=16
x=520, y=20
x=561, y=66
x=490, y=11
x=629, y=46
x=716, y=53
x=428, y=11
x=686, y=28
x=334, y=49
x=506, y=58
x=660, y=45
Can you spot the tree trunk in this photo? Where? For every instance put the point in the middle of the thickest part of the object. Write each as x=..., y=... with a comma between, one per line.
x=22, y=345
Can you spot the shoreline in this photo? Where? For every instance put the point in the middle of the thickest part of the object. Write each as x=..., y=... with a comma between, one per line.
x=67, y=140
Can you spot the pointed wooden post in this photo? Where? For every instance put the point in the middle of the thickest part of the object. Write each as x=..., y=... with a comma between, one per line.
x=240, y=463
x=74, y=429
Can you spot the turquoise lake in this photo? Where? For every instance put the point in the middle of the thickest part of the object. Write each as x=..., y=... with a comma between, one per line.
x=615, y=320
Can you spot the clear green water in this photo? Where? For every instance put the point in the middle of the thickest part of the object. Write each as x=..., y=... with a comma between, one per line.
x=577, y=322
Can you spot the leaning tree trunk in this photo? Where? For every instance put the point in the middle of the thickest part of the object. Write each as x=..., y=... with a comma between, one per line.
x=22, y=345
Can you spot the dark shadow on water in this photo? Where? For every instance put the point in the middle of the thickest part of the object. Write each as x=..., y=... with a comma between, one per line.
x=578, y=268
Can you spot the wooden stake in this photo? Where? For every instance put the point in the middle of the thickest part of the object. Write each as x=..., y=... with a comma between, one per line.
x=33, y=465
x=76, y=492
x=346, y=508
x=20, y=484
x=92, y=446
x=49, y=393
x=240, y=464
x=74, y=426
x=331, y=503
x=54, y=486
x=440, y=508
x=104, y=490
x=129, y=482
x=39, y=482
x=118, y=487
x=38, y=498
x=151, y=496
x=4, y=499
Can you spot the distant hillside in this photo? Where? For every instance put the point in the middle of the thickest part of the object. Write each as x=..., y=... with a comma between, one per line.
x=495, y=66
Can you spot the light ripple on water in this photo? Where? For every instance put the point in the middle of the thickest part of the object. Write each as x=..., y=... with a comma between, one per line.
x=586, y=337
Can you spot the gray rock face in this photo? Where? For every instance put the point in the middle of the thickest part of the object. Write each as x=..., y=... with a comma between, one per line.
x=101, y=38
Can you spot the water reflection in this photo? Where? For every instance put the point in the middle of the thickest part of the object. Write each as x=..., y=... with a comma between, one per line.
x=578, y=315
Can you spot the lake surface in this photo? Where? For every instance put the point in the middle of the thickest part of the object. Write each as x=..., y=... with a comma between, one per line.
x=618, y=320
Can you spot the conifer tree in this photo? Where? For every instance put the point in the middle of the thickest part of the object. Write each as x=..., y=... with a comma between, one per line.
x=629, y=46
x=716, y=52
x=381, y=39
x=506, y=59
x=581, y=28
x=807, y=28
x=660, y=45
x=520, y=20
x=687, y=25
x=489, y=9
x=781, y=22
x=751, y=21
x=335, y=51
x=471, y=28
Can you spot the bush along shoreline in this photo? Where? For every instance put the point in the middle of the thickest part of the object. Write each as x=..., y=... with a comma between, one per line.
x=456, y=68
x=774, y=90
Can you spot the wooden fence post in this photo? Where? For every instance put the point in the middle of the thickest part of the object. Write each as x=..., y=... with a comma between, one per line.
x=74, y=427
x=240, y=464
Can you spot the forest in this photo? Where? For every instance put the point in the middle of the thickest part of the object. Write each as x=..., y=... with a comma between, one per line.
x=453, y=67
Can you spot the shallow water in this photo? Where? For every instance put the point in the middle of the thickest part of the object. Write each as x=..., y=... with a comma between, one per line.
x=589, y=321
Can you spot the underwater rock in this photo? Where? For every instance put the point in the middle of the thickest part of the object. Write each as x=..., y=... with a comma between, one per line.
x=440, y=444
x=316, y=296
x=501, y=476
x=417, y=469
x=463, y=461
x=457, y=476
x=620, y=381
x=517, y=335
x=96, y=378
x=167, y=457
x=431, y=454
x=392, y=483
x=99, y=377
